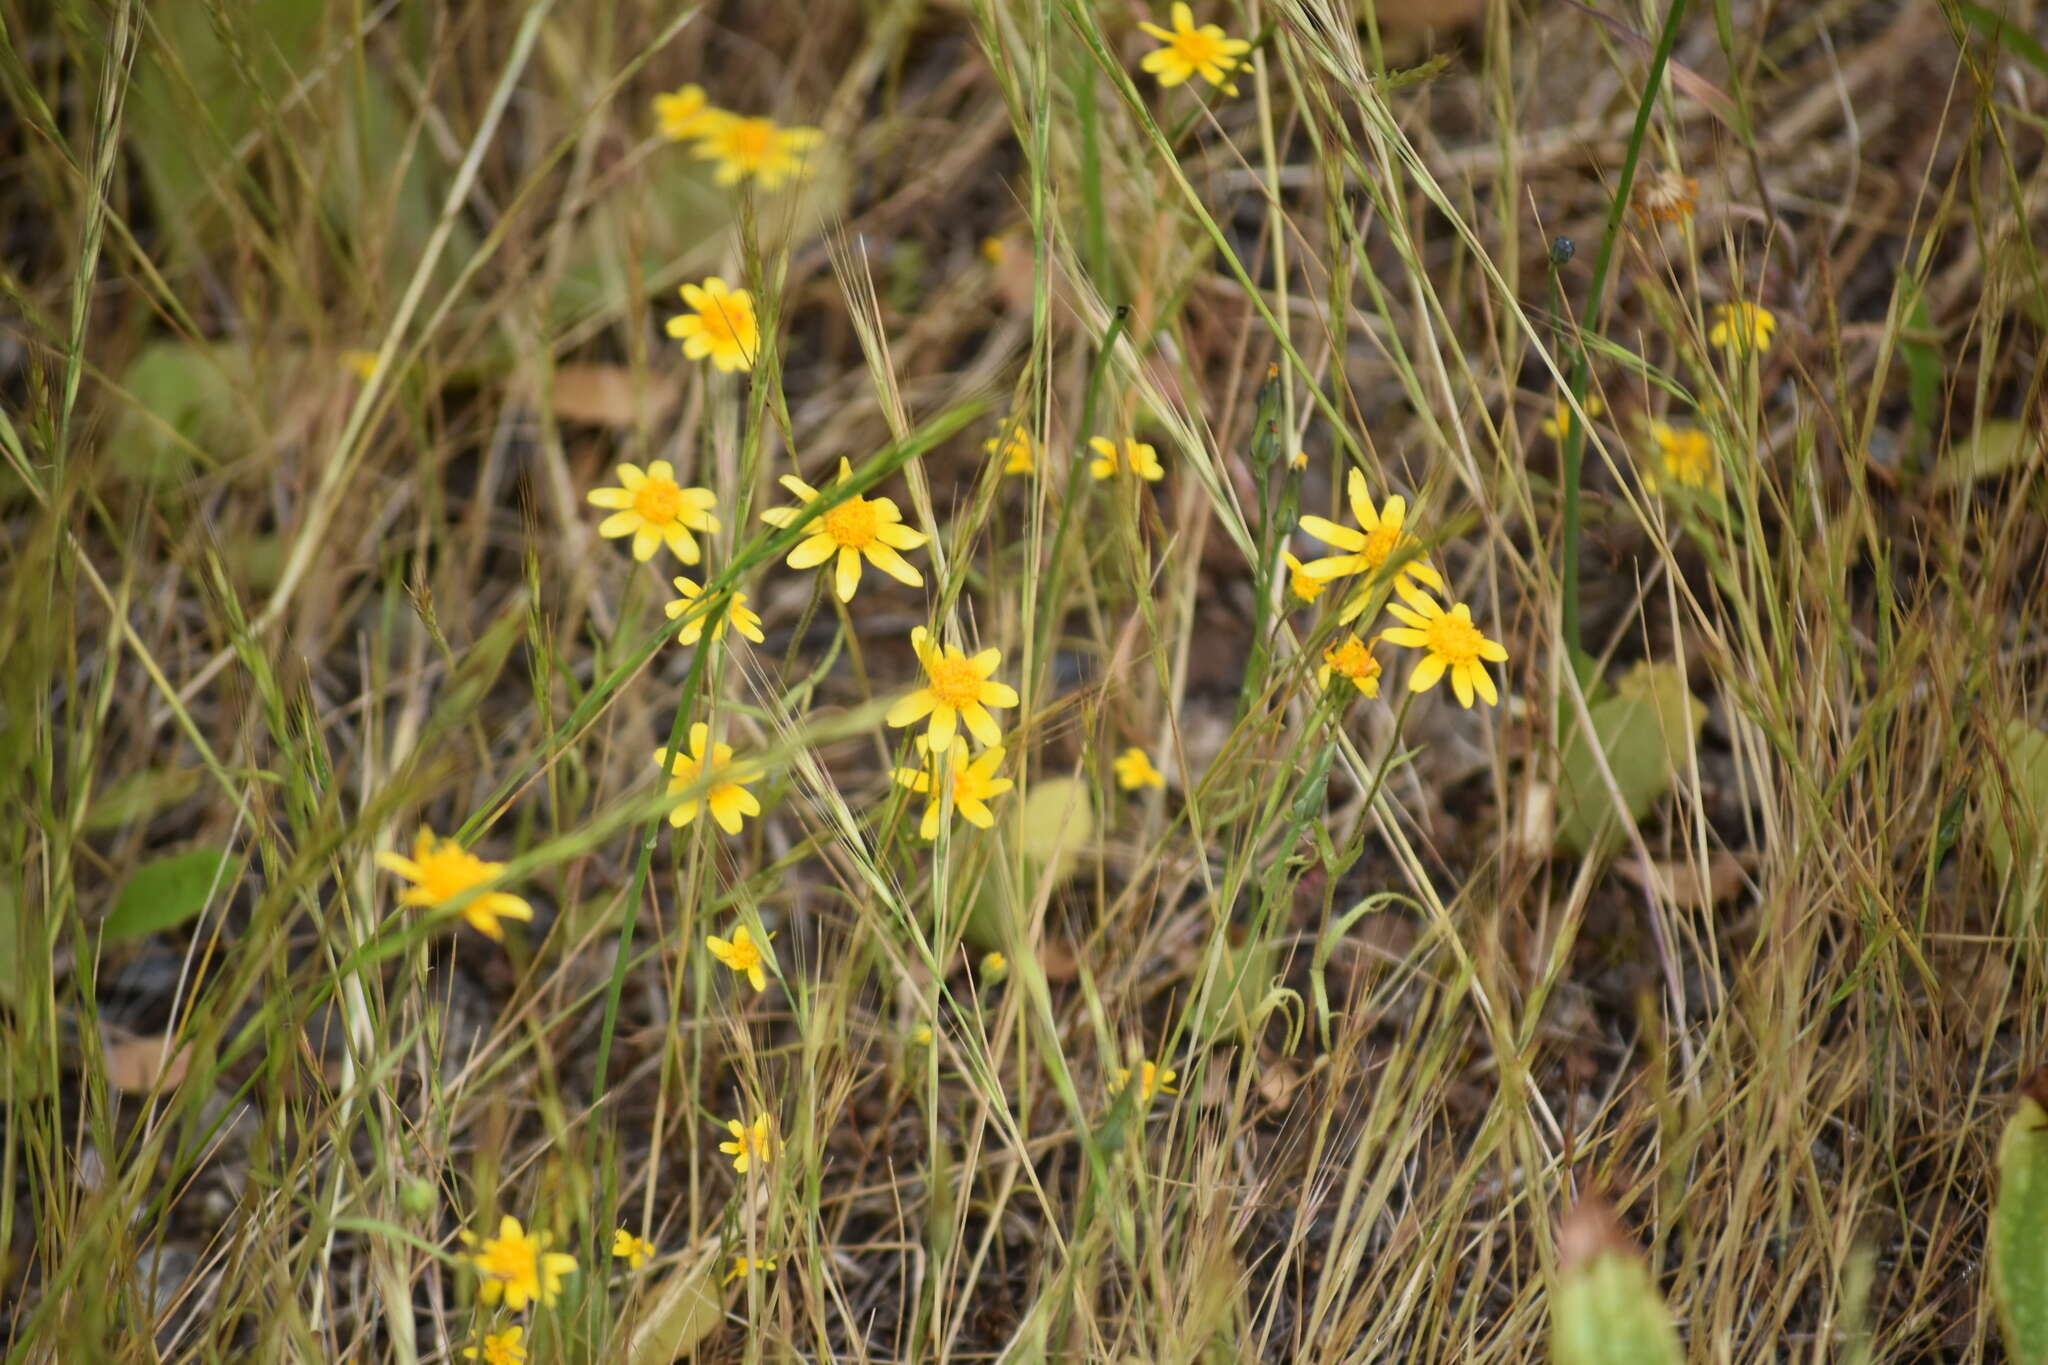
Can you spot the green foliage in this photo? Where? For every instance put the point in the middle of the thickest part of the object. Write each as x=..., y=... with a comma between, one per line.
x=165, y=892
x=1996, y=447
x=687, y=1308
x=182, y=409
x=1645, y=731
x=2019, y=1228
x=1604, y=1307
x=2012, y=803
x=1053, y=824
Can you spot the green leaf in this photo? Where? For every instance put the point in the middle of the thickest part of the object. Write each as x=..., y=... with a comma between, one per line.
x=181, y=409
x=2012, y=805
x=2005, y=34
x=1645, y=730
x=2019, y=1228
x=1604, y=1307
x=138, y=796
x=1052, y=826
x=1996, y=447
x=686, y=1309
x=168, y=891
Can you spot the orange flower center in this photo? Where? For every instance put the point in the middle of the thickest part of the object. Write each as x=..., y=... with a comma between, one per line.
x=1353, y=660
x=750, y=141
x=744, y=955
x=1454, y=640
x=449, y=871
x=515, y=1259
x=658, y=501
x=852, y=524
x=1688, y=461
x=1197, y=48
x=1381, y=544
x=955, y=682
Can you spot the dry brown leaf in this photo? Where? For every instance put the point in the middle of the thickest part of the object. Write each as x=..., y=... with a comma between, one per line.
x=611, y=395
x=136, y=1064
x=1682, y=883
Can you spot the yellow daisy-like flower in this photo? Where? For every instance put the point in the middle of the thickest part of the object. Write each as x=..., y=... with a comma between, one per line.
x=655, y=510
x=1151, y=1082
x=737, y=614
x=441, y=869
x=972, y=784
x=631, y=1248
x=995, y=969
x=857, y=528
x=743, y=1266
x=499, y=1348
x=921, y=1036
x=1381, y=538
x=1140, y=458
x=744, y=954
x=686, y=113
x=1685, y=457
x=757, y=147
x=721, y=325
x=1298, y=460
x=1303, y=587
x=1019, y=455
x=1452, y=644
x=729, y=800
x=1134, y=770
x=360, y=363
x=957, y=691
x=1191, y=51
x=1353, y=661
x=1741, y=325
x=517, y=1267
x=751, y=1145
x=1559, y=424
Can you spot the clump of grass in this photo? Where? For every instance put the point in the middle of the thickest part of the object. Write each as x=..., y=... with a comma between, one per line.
x=1266, y=999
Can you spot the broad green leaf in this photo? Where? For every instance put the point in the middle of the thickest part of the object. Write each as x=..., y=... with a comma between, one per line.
x=2019, y=1229
x=181, y=409
x=2012, y=803
x=1052, y=826
x=1645, y=731
x=1994, y=448
x=1604, y=1307
x=139, y=796
x=687, y=1308
x=168, y=891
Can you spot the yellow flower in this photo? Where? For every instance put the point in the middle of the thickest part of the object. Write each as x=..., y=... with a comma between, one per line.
x=972, y=784
x=1368, y=550
x=1686, y=458
x=1298, y=460
x=631, y=1248
x=737, y=614
x=743, y=1266
x=856, y=528
x=1298, y=582
x=1134, y=770
x=1741, y=325
x=921, y=1036
x=957, y=691
x=756, y=147
x=1151, y=1081
x=1020, y=456
x=750, y=1145
x=655, y=510
x=516, y=1266
x=1354, y=661
x=360, y=363
x=1191, y=51
x=1451, y=643
x=721, y=325
x=441, y=870
x=995, y=968
x=995, y=251
x=499, y=1348
x=729, y=800
x=1666, y=197
x=686, y=114
x=1559, y=424
x=743, y=954
x=1140, y=458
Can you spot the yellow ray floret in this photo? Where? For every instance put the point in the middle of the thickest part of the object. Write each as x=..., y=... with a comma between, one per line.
x=1450, y=643
x=1134, y=770
x=758, y=149
x=441, y=869
x=737, y=614
x=973, y=783
x=686, y=113
x=1136, y=456
x=752, y=1144
x=1189, y=51
x=958, y=691
x=516, y=1266
x=744, y=954
x=720, y=325
x=655, y=510
x=856, y=528
x=727, y=798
